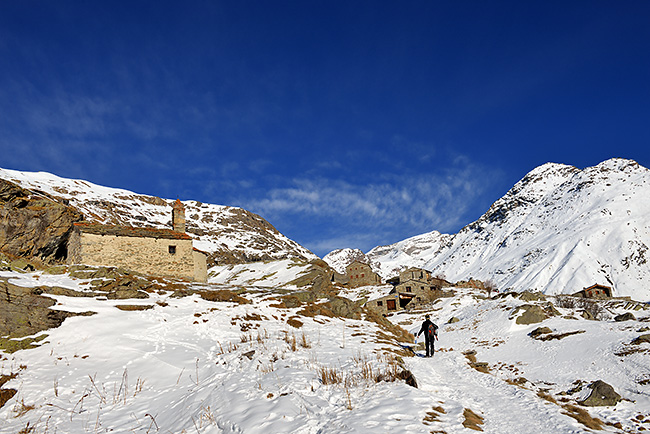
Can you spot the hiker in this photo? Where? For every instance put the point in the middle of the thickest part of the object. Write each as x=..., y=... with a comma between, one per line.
x=430, y=331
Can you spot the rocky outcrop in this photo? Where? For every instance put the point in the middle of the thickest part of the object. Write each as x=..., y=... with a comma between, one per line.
x=33, y=225
x=627, y=316
x=531, y=314
x=24, y=311
x=602, y=394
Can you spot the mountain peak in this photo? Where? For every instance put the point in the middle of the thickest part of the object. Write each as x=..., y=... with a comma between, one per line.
x=557, y=230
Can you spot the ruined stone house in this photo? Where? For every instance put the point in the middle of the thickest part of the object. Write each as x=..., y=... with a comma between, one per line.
x=360, y=274
x=159, y=252
x=414, y=285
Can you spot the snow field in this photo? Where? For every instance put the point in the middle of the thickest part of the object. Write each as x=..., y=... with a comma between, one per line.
x=188, y=365
x=184, y=367
x=264, y=274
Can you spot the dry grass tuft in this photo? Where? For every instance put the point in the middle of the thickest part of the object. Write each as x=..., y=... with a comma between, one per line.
x=21, y=408
x=433, y=415
x=134, y=307
x=330, y=375
x=224, y=296
x=293, y=322
x=546, y=397
x=304, y=342
x=583, y=417
x=472, y=420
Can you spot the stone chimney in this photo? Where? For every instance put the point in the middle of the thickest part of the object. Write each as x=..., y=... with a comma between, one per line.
x=178, y=216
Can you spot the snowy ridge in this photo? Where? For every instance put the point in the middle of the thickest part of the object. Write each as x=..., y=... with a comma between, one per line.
x=557, y=230
x=216, y=229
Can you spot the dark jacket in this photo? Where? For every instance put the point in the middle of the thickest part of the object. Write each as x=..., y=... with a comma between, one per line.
x=425, y=328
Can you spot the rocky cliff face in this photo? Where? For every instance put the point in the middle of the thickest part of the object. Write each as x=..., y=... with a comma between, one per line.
x=227, y=234
x=34, y=225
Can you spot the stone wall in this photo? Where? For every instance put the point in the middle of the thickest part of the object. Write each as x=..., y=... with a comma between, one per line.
x=145, y=255
x=200, y=266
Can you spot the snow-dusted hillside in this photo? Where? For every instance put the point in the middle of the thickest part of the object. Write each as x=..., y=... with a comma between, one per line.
x=341, y=258
x=411, y=252
x=231, y=234
x=557, y=230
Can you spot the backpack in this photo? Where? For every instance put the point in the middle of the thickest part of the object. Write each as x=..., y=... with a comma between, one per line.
x=433, y=330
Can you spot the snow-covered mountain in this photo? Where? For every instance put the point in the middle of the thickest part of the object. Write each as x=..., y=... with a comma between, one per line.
x=340, y=258
x=557, y=230
x=229, y=234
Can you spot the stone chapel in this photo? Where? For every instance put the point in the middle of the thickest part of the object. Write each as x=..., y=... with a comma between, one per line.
x=158, y=252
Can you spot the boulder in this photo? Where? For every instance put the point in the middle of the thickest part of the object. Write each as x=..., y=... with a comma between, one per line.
x=452, y=320
x=602, y=394
x=24, y=311
x=33, y=225
x=531, y=314
x=540, y=331
x=625, y=317
x=532, y=296
x=642, y=339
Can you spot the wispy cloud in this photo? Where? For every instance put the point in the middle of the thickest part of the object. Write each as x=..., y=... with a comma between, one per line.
x=395, y=205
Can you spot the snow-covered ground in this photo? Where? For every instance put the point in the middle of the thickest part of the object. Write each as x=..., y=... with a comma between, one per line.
x=188, y=365
x=268, y=274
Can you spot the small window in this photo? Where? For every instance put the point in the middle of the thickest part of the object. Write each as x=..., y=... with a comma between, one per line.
x=362, y=274
x=380, y=303
x=408, y=289
x=172, y=250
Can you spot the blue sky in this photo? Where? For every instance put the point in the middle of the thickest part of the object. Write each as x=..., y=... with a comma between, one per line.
x=345, y=124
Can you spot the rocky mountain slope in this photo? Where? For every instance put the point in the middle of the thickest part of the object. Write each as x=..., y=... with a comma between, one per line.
x=557, y=230
x=228, y=234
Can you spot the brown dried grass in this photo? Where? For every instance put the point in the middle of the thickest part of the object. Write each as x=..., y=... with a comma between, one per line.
x=472, y=420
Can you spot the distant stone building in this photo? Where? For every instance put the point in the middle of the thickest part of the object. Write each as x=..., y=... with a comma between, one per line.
x=360, y=274
x=412, y=285
x=595, y=291
x=159, y=252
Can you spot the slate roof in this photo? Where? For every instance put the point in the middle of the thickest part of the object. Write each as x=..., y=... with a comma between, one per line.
x=129, y=231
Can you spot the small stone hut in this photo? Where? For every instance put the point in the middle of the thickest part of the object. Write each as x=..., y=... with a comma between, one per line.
x=159, y=252
x=360, y=274
x=595, y=291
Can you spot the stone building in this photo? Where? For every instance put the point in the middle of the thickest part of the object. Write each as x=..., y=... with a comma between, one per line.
x=159, y=252
x=414, y=285
x=361, y=274
x=595, y=291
